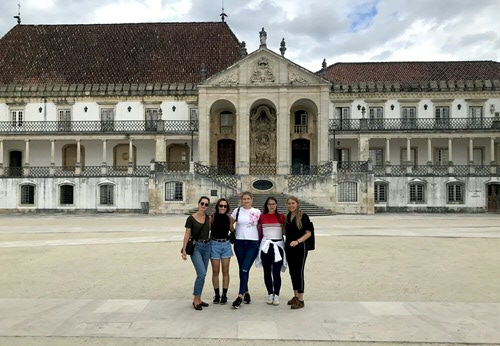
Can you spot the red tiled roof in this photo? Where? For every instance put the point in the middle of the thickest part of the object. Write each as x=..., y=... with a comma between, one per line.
x=115, y=53
x=411, y=72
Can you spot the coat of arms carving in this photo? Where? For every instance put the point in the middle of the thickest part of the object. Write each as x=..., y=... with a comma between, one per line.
x=263, y=71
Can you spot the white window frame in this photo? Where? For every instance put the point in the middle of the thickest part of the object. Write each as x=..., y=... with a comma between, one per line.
x=453, y=194
x=17, y=116
x=348, y=192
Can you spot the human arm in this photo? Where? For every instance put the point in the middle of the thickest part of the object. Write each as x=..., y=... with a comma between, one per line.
x=187, y=235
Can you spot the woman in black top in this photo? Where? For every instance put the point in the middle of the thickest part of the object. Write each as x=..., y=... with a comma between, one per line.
x=198, y=228
x=297, y=230
x=221, y=250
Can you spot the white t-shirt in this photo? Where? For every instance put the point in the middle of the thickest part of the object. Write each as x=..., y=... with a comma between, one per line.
x=246, y=226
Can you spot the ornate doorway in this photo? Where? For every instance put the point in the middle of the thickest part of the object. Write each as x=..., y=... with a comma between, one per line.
x=226, y=156
x=301, y=156
x=493, y=197
x=263, y=141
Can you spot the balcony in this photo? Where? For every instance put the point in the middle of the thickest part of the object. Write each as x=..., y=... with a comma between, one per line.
x=62, y=171
x=93, y=127
x=414, y=125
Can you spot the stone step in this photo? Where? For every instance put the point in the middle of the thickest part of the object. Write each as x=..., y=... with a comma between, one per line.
x=259, y=200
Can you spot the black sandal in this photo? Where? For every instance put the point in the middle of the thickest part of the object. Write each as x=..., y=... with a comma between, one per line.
x=197, y=306
x=204, y=304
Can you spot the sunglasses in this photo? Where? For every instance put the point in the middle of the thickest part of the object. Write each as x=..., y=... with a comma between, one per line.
x=222, y=206
x=203, y=204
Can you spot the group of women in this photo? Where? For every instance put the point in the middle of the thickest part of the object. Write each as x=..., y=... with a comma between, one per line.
x=270, y=239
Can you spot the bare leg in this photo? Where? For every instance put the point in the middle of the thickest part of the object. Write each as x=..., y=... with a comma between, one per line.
x=225, y=272
x=215, y=272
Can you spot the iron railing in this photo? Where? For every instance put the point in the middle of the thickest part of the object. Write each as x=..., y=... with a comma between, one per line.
x=313, y=173
x=414, y=125
x=174, y=166
x=352, y=166
x=437, y=170
x=118, y=126
x=62, y=171
x=223, y=175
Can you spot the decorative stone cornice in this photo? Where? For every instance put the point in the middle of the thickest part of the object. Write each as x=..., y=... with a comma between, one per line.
x=415, y=95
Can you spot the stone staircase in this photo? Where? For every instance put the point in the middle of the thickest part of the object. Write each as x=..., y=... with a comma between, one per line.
x=259, y=200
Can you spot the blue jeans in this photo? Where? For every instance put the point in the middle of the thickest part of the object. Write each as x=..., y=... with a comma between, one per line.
x=200, y=259
x=246, y=252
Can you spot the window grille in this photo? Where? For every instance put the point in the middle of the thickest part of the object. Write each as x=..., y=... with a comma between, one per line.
x=417, y=193
x=27, y=194
x=17, y=118
x=66, y=194
x=348, y=191
x=380, y=193
x=106, y=194
x=173, y=191
x=455, y=193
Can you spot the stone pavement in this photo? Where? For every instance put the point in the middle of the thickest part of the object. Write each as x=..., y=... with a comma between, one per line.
x=365, y=321
x=321, y=321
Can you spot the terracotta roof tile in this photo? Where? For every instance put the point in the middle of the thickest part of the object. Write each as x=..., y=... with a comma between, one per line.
x=115, y=53
x=411, y=72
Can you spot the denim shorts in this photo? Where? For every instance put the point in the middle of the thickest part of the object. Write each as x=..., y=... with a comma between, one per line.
x=221, y=250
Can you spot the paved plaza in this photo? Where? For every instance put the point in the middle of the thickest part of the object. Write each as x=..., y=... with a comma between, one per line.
x=119, y=280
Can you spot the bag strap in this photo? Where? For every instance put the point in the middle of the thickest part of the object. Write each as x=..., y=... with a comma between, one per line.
x=237, y=214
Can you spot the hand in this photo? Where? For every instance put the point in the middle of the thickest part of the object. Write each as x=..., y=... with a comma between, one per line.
x=184, y=257
x=294, y=243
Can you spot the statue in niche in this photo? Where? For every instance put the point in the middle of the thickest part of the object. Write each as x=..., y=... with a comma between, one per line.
x=263, y=72
x=263, y=139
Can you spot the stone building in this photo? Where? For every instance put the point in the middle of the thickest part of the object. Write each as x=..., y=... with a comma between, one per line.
x=148, y=117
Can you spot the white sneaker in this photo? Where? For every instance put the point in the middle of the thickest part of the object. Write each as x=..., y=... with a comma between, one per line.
x=276, y=300
x=270, y=300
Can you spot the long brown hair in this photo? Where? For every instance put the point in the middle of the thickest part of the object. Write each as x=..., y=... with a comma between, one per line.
x=298, y=213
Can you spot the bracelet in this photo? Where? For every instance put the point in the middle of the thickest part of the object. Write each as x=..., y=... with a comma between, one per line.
x=298, y=241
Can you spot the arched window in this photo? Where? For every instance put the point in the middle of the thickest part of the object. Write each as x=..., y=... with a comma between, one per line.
x=174, y=191
x=455, y=193
x=348, y=191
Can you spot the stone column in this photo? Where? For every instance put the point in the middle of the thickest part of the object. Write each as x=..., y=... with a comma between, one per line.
x=472, y=168
x=52, y=168
x=450, y=156
x=429, y=156
x=104, y=165
x=493, y=168
x=203, y=129
x=130, y=156
x=408, y=156
x=160, y=149
x=78, y=164
x=243, y=135
x=283, y=134
x=388, y=156
x=323, y=129
x=364, y=148
x=27, y=160
x=1, y=157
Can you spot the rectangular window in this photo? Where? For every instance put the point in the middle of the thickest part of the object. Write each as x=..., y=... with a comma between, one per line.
x=66, y=195
x=377, y=157
x=348, y=191
x=343, y=115
x=107, y=119
x=106, y=195
x=441, y=156
x=64, y=118
x=409, y=117
x=475, y=117
x=27, y=194
x=455, y=194
x=173, y=191
x=417, y=193
x=151, y=117
x=376, y=115
x=478, y=156
x=17, y=117
x=442, y=117
x=380, y=193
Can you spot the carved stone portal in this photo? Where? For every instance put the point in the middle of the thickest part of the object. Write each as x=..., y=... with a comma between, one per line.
x=262, y=136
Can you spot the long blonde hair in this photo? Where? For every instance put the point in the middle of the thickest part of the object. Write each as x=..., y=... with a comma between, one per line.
x=298, y=213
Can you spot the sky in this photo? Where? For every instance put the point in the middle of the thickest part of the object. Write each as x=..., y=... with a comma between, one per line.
x=335, y=30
